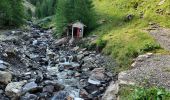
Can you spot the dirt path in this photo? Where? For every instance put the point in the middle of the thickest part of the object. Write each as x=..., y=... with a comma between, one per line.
x=162, y=35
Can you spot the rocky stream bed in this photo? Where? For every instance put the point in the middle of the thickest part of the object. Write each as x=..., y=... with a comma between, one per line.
x=35, y=66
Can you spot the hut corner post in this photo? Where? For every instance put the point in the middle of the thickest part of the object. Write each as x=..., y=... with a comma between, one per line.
x=72, y=32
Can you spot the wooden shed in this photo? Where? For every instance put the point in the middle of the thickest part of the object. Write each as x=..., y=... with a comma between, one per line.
x=77, y=29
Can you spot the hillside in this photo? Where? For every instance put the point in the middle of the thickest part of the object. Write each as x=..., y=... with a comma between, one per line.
x=128, y=38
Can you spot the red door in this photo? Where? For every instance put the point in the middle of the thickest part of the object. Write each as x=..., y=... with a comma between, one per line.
x=78, y=32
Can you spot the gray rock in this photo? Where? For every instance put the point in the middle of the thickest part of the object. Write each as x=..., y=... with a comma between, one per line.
x=80, y=56
x=49, y=88
x=28, y=96
x=14, y=89
x=111, y=92
x=1, y=91
x=62, y=95
x=32, y=86
x=97, y=75
x=5, y=77
x=61, y=41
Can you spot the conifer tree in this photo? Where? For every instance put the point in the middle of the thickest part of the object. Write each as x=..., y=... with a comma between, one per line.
x=61, y=20
x=11, y=13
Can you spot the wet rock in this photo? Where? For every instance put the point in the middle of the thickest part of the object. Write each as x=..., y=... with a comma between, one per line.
x=3, y=67
x=49, y=88
x=14, y=89
x=95, y=82
x=5, y=77
x=31, y=87
x=57, y=86
x=29, y=96
x=97, y=75
x=111, y=92
x=62, y=95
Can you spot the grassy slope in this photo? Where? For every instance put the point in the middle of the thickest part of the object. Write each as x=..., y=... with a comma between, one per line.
x=126, y=40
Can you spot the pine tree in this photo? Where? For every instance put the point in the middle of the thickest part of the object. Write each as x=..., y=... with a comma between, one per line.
x=11, y=13
x=61, y=21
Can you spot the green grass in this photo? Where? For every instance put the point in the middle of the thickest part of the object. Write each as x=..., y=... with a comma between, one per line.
x=126, y=40
x=143, y=93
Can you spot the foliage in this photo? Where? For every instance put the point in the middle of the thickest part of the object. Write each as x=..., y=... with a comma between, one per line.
x=69, y=11
x=11, y=13
x=45, y=8
x=143, y=93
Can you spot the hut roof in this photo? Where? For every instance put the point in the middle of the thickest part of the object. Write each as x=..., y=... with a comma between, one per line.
x=78, y=24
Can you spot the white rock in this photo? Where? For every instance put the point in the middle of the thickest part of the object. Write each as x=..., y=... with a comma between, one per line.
x=95, y=82
x=14, y=89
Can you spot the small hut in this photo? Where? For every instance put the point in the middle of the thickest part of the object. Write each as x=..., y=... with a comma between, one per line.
x=77, y=29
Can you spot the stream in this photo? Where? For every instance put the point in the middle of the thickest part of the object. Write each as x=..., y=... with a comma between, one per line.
x=36, y=66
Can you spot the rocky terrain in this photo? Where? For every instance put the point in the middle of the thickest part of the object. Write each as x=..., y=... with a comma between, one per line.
x=161, y=35
x=35, y=66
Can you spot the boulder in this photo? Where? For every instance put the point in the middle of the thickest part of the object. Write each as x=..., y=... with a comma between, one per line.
x=61, y=41
x=14, y=89
x=31, y=87
x=49, y=89
x=97, y=75
x=111, y=92
x=5, y=77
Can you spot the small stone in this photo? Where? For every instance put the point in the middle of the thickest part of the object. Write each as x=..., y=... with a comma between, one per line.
x=95, y=82
x=1, y=91
x=77, y=74
x=75, y=48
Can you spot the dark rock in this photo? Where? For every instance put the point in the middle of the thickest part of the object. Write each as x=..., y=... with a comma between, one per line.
x=62, y=95
x=49, y=88
x=31, y=87
x=28, y=96
x=128, y=17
